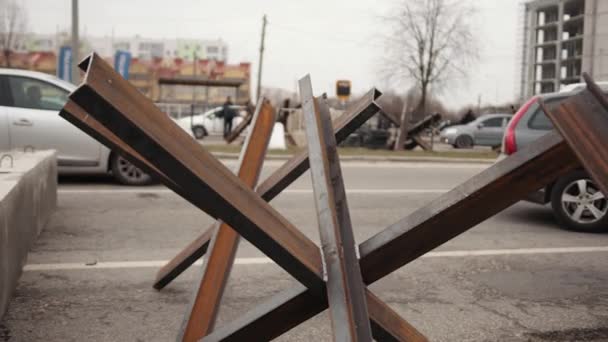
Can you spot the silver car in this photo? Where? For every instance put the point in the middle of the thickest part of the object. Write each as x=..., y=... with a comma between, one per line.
x=486, y=130
x=29, y=106
x=576, y=200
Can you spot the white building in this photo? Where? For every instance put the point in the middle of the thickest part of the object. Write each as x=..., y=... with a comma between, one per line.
x=561, y=39
x=140, y=47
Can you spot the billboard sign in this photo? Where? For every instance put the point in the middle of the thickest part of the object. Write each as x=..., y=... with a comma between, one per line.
x=122, y=60
x=64, y=64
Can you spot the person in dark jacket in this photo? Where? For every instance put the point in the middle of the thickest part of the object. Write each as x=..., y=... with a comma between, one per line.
x=228, y=113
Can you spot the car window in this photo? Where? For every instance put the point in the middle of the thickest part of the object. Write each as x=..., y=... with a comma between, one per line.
x=539, y=119
x=5, y=99
x=493, y=122
x=31, y=93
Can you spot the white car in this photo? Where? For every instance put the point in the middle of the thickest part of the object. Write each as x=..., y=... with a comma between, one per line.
x=29, y=105
x=208, y=123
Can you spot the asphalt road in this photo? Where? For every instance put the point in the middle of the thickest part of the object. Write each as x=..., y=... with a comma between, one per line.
x=515, y=277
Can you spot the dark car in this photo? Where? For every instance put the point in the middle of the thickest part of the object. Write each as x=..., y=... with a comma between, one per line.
x=576, y=200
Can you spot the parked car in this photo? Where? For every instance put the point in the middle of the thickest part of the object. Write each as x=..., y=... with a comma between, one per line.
x=576, y=200
x=207, y=123
x=486, y=130
x=29, y=106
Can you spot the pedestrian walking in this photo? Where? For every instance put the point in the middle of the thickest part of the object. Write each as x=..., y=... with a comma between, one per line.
x=228, y=114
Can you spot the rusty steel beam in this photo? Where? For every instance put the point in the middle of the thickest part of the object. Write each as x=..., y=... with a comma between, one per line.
x=345, y=289
x=119, y=107
x=202, y=313
x=583, y=121
x=353, y=118
x=479, y=198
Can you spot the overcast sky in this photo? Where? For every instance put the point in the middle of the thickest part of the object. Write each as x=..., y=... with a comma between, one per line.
x=338, y=39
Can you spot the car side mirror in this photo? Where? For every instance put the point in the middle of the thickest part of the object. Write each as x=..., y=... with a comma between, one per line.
x=480, y=125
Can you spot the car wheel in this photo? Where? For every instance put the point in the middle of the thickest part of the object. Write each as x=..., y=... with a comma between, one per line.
x=199, y=132
x=127, y=173
x=578, y=203
x=410, y=144
x=464, y=141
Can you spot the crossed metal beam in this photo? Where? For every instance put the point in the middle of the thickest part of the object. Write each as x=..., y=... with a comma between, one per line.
x=354, y=117
x=126, y=120
x=135, y=125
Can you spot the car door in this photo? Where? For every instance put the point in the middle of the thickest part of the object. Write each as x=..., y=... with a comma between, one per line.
x=213, y=123
x=489, y=132
x=34, y=122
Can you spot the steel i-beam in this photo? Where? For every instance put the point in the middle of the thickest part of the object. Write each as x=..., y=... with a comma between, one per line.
x=345, y=289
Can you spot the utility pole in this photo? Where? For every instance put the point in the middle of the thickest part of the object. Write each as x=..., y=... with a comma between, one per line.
x=259, y=86
x=402, y=129
x=75, y=57
x=193, y=88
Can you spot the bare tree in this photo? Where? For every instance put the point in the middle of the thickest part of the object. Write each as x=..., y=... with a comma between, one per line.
x=12, y=27
x=431, y=43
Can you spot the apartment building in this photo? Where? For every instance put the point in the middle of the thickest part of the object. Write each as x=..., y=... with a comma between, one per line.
x=148, y=48
x=561, y=39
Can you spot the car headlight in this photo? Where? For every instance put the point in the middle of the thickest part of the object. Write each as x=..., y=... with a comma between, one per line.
x=451, y=131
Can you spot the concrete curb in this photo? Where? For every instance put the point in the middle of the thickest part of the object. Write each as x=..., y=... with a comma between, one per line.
x=376, y=159
x=28, y=197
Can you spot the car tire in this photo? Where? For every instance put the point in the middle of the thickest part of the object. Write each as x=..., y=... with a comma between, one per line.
x=127, y=173
x=578, y=204
x=199, y=132
x=410, y=144
x=464, y=141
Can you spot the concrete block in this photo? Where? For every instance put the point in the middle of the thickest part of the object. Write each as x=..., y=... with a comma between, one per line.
x=28, y=197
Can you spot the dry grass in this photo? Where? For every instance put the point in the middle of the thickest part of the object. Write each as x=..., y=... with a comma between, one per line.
x=364, y=152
